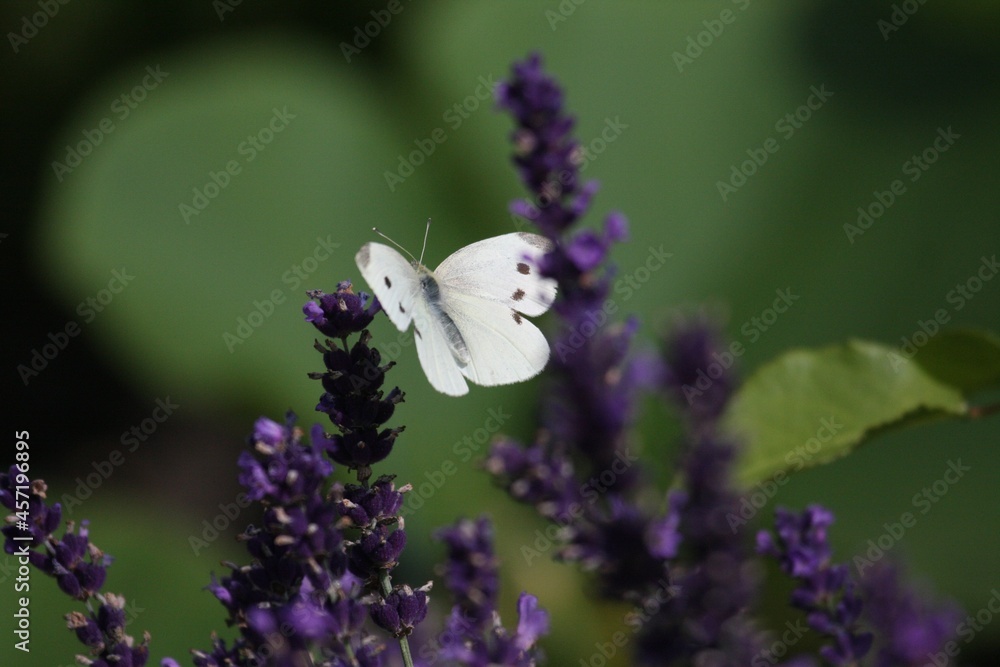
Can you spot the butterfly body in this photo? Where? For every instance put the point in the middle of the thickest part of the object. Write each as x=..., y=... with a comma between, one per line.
x=468, y=314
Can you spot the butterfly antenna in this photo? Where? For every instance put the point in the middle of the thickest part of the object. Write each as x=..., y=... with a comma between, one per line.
x=426, y=232
x=375, y=229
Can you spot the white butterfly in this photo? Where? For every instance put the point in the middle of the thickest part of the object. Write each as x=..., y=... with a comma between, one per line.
x=468, y=314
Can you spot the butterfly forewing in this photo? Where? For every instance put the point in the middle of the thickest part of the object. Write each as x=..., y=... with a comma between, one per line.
x=393, y=280
x=437, y=360
x=502, y=269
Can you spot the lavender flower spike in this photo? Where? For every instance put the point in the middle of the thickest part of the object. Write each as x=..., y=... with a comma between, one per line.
x=826, y=592
x=77, y=565
x=477, y=637
x=353, y=397
x=579, y=469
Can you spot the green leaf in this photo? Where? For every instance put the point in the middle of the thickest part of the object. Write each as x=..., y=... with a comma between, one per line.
x=968, y=359
x=810, y=407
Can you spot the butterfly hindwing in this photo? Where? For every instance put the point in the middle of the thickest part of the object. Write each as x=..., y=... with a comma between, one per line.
x=503, y=346
x=436, y=358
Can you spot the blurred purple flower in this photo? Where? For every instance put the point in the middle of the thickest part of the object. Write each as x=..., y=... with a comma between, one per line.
x=478, y=639
x=579, y=469
x=909, y=630
x=826, y=591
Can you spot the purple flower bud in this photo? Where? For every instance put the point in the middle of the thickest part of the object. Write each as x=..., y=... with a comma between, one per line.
x=268, y=431
x=401, y=610
x=532, y=623
x=471, y=569
x=342, y=313
x=587, y=251
x=826, y=592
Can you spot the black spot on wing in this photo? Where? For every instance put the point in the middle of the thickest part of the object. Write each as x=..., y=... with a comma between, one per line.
x=401, y=309
x=388, y=283
x=518, y=295
x=523, y=268
x=517, y=316
x=417, y=331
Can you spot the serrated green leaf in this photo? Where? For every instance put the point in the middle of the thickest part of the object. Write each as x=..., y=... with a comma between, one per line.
x=968, y=359
x=810, y=407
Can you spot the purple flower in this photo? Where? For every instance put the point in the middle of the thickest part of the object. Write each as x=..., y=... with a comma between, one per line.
x=401, y=610
x=532, y=622
x=380, y=503
x=342, y=313
x=470, y=572
x=353, y=398
x=663, y=536
x=593, y=382
x=910, y=630
x=546, y=155
x=697, y=371
x=477, y=638
x=826, y=592
x=615, y=543
x=537, y=475
x=78, y=566
x=297, y=596
x=711, y=583
x=322, y=557
x=43, y=519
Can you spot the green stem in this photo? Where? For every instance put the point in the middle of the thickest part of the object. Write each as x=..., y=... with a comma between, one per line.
x=404, y=645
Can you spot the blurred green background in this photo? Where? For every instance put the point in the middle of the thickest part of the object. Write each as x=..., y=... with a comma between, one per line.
x=681, y=91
